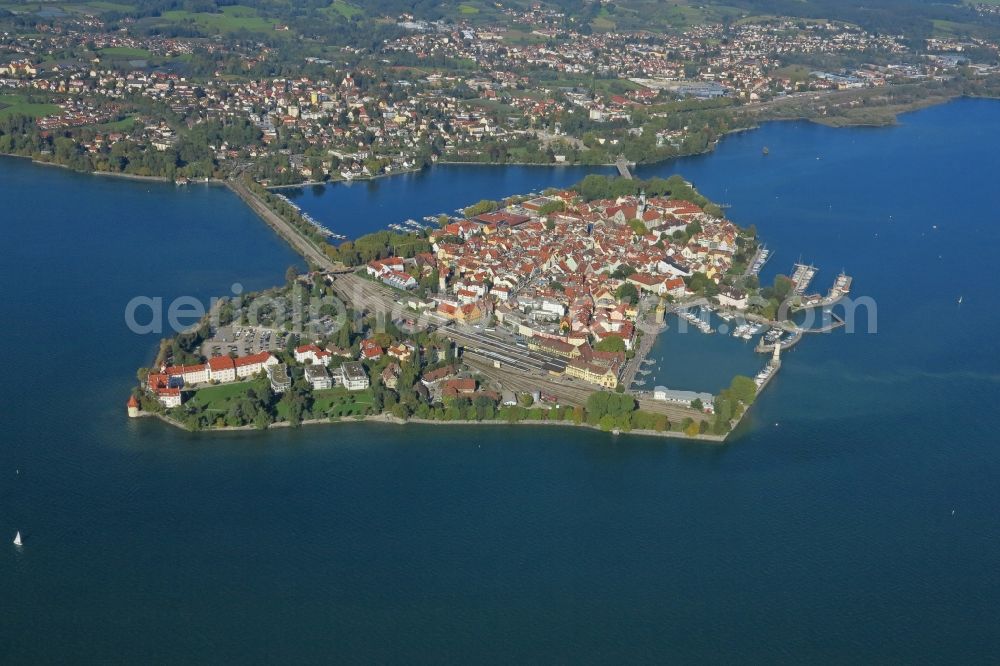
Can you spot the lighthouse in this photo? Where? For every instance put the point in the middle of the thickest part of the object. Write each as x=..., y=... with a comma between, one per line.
x=776, y=355
x=133, y=407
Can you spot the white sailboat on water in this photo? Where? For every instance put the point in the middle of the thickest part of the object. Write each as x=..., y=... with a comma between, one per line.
x=17, y=539
x=959, y=300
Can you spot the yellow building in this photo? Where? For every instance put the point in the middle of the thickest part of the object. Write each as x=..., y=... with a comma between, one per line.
x=557, y=347
x=606, y=376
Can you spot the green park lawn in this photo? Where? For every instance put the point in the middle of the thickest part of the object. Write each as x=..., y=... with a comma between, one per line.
x=220, y=398
x=345, y=9
x=124, y=53
x=123, y=125
x=18, y=104
x=231, y=19
x=340, y=402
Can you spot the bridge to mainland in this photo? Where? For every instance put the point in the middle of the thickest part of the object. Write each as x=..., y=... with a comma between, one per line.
x=623, y=167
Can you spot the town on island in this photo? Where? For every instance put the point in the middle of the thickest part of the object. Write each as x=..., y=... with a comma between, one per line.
x=537, y=309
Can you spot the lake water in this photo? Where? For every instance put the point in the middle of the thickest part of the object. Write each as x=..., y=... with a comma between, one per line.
x=360, y=207
x=854, y=518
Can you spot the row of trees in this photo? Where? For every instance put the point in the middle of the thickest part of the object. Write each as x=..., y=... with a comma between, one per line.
x=595, y=186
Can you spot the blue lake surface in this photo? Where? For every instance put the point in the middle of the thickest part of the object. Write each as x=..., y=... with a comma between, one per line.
x=853, y=519
x=360, y=207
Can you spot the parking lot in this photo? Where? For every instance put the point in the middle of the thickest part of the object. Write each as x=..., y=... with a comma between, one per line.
x=243, y=340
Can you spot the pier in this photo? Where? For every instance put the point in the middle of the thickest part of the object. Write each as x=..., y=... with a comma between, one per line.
x=836, y=321
x=765, y=348
x=758, y=261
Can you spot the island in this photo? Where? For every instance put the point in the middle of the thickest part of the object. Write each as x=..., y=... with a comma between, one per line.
x=537, y=309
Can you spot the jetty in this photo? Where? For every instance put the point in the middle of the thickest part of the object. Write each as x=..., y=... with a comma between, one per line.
x=782, y=344
x=836, y=321
x=759, y=259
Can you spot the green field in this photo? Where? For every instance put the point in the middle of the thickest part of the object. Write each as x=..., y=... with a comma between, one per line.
x=219, y=398
x=467, y=9
x=18, y=104
x=231, y=19
x=340, y=402
x=329, y=402
x=123, y=125
x=344, y=9
x=124, y=53
x=953, y=29
x=94, y=7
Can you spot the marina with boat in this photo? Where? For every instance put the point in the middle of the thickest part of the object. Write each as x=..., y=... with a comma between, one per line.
x=841, y=287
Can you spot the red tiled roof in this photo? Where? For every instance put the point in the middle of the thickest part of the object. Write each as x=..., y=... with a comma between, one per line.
x=220, y=363
x=177, y=370
x=252, y=359
x=157, y=380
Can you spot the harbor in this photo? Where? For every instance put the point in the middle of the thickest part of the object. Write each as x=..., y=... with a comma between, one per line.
x=412, y=226
x=841, y=287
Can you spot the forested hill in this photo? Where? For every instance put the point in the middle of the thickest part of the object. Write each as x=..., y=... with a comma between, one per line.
x=362, y=22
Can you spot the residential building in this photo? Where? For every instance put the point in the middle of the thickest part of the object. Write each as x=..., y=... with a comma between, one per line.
x=312, y=354
x=277, y=373
x=318, y=376
x=222, y=369
x=248, y=366
x=353, y=376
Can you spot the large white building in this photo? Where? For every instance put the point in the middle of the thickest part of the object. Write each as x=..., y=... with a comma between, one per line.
x=190, y=374
x=248, y=366
x=353, y=376
x=313, y=354
x=684, y=398
x=318, y=376
x=224, y=369
x=277, y=373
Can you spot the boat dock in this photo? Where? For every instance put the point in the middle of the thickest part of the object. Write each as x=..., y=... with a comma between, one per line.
x=767, y=373
x=784, y=343
x=841, y=287
x=701, y=324
x=802, y=276
x=836, y=321
x=759, y=259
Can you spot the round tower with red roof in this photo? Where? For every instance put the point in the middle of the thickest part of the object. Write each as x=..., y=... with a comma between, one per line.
x=133, y=407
